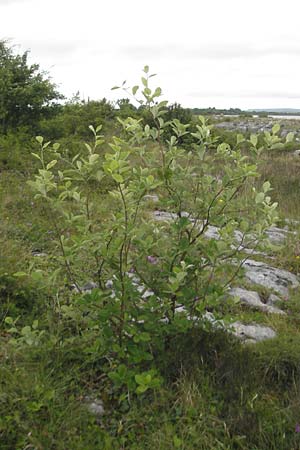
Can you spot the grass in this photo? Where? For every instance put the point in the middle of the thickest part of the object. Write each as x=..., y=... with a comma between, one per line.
x=282, y=170
x=217, y=393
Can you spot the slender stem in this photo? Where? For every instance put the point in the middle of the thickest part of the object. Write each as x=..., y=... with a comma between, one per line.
x=66, y=261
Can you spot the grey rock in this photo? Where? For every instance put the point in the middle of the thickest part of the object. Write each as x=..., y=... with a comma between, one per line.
x=252, y=299
x=153, y=198
x=166, y=216
x=146, y=293
x=212, y=232
x=277, y=236
x=251, y=251
x=292, y=222
x=86, y=288
x=109, y=284
x=39, y=254
x=141, y=288
x=252, y=333
x=296, y=153
x=217, y=324
x=279, y=280
x=246, y=333
x=89, y=286
x=95, y=406
x=273, y=299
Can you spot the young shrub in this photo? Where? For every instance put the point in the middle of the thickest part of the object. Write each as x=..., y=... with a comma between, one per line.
x=155, y=273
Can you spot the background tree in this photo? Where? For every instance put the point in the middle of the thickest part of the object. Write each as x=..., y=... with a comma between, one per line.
x=75, y=117
x=26, y=93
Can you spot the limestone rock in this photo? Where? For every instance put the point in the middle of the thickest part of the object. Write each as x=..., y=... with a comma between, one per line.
x=153, y=198
x=252, y=333
x=39, y=254
x=85, y=288
x=95, y=406
x=279, y=280
x=252, y=299
x=246, y=333
x=273, y=299
x=277, y=236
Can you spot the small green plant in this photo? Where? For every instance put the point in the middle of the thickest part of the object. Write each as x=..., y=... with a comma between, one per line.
x=29, y=334
x=156, y=273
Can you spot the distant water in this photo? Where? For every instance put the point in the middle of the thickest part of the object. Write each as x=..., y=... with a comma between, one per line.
x=284, y=117
x=256, y=116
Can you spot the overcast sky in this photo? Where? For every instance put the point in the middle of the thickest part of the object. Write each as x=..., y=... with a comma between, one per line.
x=233, y=53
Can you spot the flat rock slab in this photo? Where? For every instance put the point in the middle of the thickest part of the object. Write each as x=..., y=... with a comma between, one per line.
x=279, y=280
x=252, y=333
x=94, y=406
x=278, y=236
x=275, y=235
x=253, y=300
x=248, y=334
x=152, y=198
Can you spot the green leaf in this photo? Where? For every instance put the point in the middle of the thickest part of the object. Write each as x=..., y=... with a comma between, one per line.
x=177, y=441
x=93, y=158
x=36, y=156
x=51, y=164
x=289, y=137
x=144, y=81
x=142, y=378
x=157, y=92
x=277, y=146
x=25, y=330
x=9, y=320
x=163, y=104
x=259, y=197
x=115, y=87
x=146, y=69
x=37, y=275
x=141, y=389
x=135, y=89
x=76, y=196
x=144, y=337
x=99, y=175
x=118, y=178
x=92, y=129
x=39, y=139
x=266, y=186
x=20, y=274
x=56, y=146
x=275, y=128
x=161, y=122
x=88, y=147
x=240, y=138
x=253, y=140
x=35, y=324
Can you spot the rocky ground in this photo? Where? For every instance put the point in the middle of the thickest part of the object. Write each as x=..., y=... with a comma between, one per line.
x=258, y=274
x=259, y=125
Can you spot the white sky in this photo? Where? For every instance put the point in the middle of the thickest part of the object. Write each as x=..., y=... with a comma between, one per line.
x=233, y=53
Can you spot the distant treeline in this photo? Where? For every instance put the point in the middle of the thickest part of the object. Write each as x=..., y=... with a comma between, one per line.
x=216, y=111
